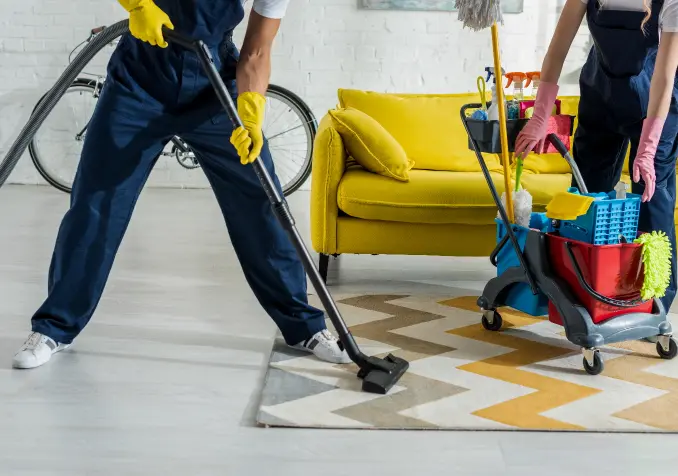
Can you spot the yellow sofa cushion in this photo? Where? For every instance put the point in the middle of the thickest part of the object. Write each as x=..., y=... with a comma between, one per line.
x=427, y=126
x=429, y=197
x=371, y=145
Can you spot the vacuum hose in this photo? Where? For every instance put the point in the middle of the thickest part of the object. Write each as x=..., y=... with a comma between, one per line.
x=53, y=96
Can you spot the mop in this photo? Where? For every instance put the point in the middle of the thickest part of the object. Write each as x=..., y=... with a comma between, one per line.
x=478, y=15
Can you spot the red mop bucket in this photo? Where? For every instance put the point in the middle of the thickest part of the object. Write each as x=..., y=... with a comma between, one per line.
x=605, y=279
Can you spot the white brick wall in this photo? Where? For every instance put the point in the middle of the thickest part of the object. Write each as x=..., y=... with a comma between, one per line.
x=323, y=45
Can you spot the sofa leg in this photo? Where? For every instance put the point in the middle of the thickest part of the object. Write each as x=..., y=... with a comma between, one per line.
x=324, y=264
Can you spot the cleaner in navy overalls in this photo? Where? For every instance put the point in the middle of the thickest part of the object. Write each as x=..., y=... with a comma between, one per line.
x=627, y=95
x=153, y=92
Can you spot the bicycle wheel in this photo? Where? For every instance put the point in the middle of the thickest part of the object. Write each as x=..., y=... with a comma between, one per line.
x=55, y=149
x=290, y=128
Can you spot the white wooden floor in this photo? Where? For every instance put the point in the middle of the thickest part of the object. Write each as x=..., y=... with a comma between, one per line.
x=165, y=379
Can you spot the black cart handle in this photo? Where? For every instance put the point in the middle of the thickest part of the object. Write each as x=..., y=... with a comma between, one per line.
x=466, y=107
x=592, y=292
x=495, y=253
x=497, y=200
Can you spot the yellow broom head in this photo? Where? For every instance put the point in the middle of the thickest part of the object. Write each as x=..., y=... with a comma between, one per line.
x=479, y=14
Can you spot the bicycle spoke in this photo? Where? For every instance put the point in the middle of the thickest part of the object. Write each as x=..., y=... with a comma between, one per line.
x=302, y=157
x=287, y=131
x=279, y=115
x=284, y=165
x=294, y=143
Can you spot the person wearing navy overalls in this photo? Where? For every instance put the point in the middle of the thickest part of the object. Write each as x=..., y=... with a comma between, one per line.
x=628, y=95
x=154, y=91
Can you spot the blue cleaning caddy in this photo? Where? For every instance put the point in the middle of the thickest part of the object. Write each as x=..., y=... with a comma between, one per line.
x=520, y=295
x=607, y=219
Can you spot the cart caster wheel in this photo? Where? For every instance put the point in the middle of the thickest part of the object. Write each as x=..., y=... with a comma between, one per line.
x=597, y=366
x=672, y=352
x=496, y=323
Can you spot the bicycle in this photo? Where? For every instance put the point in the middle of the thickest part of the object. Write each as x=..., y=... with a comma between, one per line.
x=288, y=118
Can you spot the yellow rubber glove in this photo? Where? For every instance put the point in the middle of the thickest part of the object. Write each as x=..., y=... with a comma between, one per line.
x=146, y=21
x=249, y=140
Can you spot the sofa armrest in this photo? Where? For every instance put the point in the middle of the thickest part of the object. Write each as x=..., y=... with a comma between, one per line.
x=329, y=164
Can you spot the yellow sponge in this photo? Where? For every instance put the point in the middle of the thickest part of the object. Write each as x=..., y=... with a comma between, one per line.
x=568, y=206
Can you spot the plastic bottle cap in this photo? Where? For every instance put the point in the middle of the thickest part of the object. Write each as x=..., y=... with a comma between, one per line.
x=515, y=77
x=620, y=190
x=533, y=76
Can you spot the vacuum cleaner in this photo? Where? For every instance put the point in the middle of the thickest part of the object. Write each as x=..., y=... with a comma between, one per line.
x=379, y=375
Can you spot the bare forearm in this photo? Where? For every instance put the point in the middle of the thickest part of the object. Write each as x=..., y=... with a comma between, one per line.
x=254, y=68
x=567, y=28
x=254, y=72
x=660, y=96
x=661, y=89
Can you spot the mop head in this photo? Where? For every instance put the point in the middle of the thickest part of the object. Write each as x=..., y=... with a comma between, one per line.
x=656, y=257
x=479, y=14
x=522, y=207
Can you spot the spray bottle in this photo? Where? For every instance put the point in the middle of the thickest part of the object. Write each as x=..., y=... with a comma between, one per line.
x=513, y=106
x=493, y=110
x=620, y=190
x=534, y=78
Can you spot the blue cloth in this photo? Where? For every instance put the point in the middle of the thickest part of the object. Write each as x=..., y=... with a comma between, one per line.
x=615, y=92
x=150, y=95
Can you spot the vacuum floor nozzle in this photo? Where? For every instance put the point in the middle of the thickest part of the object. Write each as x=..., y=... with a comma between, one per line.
x=383, y=374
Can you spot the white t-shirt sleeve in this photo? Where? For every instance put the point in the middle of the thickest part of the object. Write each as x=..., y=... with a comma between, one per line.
x=668, y=20
x=623, y=5
x=271, y=8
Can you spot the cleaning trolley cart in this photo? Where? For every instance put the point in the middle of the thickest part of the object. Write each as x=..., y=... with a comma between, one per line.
x=585, y=274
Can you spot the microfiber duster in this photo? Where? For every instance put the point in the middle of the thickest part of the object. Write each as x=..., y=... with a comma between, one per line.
x=522, y=207
x=656, y=257
x=522, y=200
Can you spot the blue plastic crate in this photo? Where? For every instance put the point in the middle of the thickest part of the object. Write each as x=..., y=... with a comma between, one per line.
x=607, y=219
x=520, y=295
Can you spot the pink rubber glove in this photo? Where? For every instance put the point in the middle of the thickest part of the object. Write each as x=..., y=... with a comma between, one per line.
x=643, y=165
x=533, y=134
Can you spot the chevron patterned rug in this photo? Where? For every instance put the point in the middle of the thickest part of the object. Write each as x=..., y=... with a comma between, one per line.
x=462, y=377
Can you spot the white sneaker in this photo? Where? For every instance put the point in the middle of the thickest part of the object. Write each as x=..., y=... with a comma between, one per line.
x=36, y=351
x=326, y=347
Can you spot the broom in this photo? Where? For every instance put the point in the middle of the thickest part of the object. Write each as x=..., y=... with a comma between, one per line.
x=478, y=15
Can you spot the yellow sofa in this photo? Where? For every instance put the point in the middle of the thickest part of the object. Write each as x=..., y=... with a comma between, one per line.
x=445, y=209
